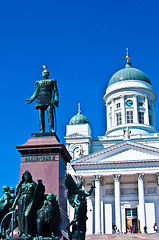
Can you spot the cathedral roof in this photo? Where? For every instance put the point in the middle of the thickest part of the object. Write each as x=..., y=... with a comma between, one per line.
x=129, y=73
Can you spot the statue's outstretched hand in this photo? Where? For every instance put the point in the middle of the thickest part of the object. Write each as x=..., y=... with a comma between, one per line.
x=27, y=101
x=56, y=103
x=93, y=184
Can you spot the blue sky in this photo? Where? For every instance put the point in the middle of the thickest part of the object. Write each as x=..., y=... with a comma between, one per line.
x=83, y=43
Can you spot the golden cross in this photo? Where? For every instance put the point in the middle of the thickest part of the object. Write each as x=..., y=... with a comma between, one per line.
x=127, y=57
x=79, y=110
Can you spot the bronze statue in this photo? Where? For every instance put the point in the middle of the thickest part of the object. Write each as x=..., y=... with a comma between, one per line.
x=4, y=209
x=48, y=217
x=77, y=199
x=4, y=202
x=38, y=214
x=24, y=198
x=47, y=96
x=12, y=195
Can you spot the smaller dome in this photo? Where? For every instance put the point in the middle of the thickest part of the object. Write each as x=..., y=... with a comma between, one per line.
x=78, y=119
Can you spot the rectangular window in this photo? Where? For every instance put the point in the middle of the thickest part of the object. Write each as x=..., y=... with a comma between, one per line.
x=110, y=109
x=131, y=212
x=150, y=120
x=118, y=105
x=118, y=118
x=110, y=121
x=141, y=104
x=141, y=117
x=129, y=116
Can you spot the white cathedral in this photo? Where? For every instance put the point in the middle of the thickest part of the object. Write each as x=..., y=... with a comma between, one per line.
x=124, y=162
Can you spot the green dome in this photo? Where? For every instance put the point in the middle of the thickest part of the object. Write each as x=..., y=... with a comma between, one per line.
x=128, y=73
x=78, y=119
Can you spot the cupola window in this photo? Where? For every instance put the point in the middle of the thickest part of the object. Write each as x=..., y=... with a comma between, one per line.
x=118, y=118
x=141, y=104
x=118, y=105
x=141, y=117
x=129, y=116
x=150, y=119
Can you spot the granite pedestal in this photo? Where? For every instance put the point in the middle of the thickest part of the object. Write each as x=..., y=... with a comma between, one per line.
x=46, y=158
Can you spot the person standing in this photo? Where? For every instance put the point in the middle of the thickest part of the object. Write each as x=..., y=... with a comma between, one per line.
x=155, y=227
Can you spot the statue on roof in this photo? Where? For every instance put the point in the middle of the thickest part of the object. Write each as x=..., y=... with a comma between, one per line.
x=47, y=96
x=77, y=199
x=80, y=151
x=126, y=132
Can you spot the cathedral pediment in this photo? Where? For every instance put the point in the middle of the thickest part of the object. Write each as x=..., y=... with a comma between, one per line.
x=126, y=152
x=76, y=135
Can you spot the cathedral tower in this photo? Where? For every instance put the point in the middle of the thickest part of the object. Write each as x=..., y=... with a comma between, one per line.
x=130, y=101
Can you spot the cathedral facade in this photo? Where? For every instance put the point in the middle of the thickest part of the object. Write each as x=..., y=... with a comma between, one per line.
x=124, y=162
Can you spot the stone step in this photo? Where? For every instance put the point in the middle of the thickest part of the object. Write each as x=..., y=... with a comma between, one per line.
x=146, y=236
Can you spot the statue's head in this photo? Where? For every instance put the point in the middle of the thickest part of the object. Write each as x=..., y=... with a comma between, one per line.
x=51, y=197
x=26, y=176
x=5, y=188
x=12, y=190
x=45, y=74
x=79, y=185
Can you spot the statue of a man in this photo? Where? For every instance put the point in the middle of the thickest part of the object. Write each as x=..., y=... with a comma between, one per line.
x=47, y=96
x=126, y=133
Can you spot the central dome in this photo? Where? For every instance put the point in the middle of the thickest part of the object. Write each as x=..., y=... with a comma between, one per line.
x=129, y=73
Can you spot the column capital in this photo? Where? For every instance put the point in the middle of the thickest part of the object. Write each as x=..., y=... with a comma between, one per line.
x=116, y=177
x=140, y=176
x=97, y=177
x=79, y=178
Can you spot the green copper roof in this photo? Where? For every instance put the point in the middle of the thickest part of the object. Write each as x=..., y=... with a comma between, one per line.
x=128, y=73
x=78, y=119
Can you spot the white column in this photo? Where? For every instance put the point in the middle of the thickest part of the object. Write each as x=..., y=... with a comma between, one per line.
x=108, y=115
x=153, y=114
x=141, y=208
x=113, y=113
x=150, y=216
x=123, y=219
x=135, y=117
x=108, y=218
x=117, y=201
x=146, y=111
x=123, y=109
x=97, y=204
